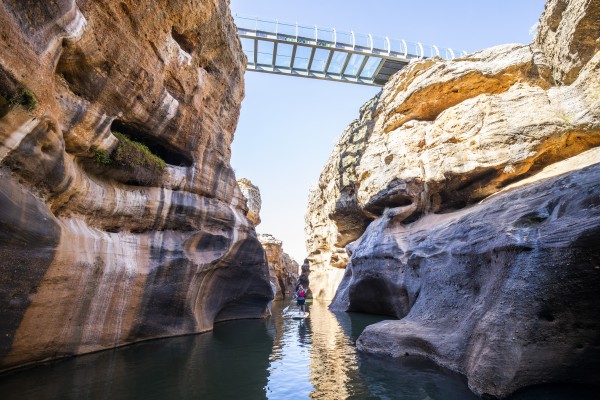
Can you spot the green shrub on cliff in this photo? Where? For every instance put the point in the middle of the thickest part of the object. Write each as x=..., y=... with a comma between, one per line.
x=101, y=157
x=21, y=97
x=24, y=98
x=131, y=162
x=131, y=154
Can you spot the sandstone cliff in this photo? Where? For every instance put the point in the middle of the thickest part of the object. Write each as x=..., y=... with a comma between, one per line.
x=251, y=193
x=464, y=200
x=101, y=242
x=283, y=270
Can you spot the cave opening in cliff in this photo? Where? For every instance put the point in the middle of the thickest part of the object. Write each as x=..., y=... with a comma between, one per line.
x=387, y=302
x=157, y=146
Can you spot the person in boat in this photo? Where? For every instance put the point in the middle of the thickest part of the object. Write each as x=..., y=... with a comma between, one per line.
x=301, y=297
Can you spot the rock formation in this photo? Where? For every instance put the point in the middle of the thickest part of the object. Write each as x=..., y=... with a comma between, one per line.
x=503, y=291
x=283, y=270
x=465, y=201
x=102, y=243
x=252, y=195
x=303, y=278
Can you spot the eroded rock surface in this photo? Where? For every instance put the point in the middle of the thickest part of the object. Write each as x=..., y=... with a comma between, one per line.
x=445, y=134
x=503, y=292
x=568, y=36
x=251, y=193
x=93, y=254
x=283, y=270
x=464, y=201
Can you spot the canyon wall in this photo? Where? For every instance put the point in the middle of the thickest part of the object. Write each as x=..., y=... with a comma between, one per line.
x=251, y=193
x=102, y=243
x=465, y=201
x=283, y=270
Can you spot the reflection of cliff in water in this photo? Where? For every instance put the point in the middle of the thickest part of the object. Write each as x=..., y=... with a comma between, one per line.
x=278, y=358
x=367, y=376
x=332, y=358
x=232, y=359
x=289, y=360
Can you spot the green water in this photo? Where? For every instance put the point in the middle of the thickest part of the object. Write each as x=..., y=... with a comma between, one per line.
x=277, y=358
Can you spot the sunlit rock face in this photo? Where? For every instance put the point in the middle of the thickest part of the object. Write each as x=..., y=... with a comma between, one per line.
x=283, y=270
x=251, y=193
x=464, y=200
x=568, y=36
x=445, y=134
x=94, y=255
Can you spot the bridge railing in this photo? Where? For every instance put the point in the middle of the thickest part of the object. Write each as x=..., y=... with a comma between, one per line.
x=349, y=41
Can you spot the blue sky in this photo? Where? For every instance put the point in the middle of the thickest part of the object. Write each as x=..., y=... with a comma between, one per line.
x=288, y=126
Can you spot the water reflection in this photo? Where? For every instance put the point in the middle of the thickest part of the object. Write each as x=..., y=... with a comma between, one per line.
x=333, y=359
x=229, y=363
x=316, y=358
x=289, y=363
x=277, y=358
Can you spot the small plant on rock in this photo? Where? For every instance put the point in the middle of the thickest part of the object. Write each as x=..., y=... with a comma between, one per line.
x=101, y=157
x=24, y=98
x=131, y=162
x=137, y=158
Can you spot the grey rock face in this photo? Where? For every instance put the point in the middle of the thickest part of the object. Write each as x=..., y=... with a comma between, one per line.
x=504, y=292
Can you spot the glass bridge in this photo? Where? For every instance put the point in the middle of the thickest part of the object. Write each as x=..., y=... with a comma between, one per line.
x=312, y=52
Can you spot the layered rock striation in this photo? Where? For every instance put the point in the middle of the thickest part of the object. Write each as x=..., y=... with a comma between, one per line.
x=464, y=200
x=445, y=134
x=283, y=270
x=251, y=193
x=120, y=216
x=503, y=292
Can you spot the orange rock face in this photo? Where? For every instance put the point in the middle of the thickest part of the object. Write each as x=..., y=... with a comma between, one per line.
x=100, y=245
x=252, y=195
x=282, y=268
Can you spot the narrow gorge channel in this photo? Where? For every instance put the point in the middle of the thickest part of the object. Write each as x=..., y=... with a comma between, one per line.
x=452, y=237
x=274, y=358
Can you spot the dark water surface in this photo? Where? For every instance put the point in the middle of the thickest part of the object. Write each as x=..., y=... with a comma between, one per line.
x=277, y=358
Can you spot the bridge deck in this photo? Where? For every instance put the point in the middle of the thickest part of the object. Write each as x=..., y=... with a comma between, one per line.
x=312, y=52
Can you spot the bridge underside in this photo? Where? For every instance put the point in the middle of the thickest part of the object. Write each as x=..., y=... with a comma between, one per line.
x=290, y=49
